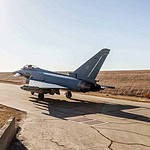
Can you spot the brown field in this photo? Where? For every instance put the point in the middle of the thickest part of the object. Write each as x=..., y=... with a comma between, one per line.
x=7, y=112
x=127, y=83
x=8, y=77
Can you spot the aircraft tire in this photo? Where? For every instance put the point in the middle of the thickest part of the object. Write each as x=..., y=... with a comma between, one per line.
x=32, y=93
x=69, y=94
x=41, y=96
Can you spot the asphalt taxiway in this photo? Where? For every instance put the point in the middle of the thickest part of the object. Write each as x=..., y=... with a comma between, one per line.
x=83, y=123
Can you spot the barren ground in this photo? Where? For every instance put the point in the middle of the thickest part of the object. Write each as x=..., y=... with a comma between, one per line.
x=8, y=77
x=127, y=83
x=7, y=112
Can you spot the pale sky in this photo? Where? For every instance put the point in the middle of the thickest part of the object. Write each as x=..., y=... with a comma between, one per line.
x=63, y=34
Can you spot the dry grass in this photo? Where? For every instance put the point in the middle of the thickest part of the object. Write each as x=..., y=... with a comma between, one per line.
x=7, y=112
x=8, y=77
x=127, y=83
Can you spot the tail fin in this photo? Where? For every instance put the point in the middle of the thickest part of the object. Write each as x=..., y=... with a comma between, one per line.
x=89, y=70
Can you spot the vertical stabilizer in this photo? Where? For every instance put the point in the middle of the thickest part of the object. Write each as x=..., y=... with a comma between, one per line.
x=90, y=69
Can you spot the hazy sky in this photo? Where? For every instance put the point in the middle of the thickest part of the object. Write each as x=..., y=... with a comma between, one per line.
x=62, y=34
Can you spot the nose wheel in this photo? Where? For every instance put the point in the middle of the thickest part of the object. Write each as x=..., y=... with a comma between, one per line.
x=68, y=94
x=41, y=96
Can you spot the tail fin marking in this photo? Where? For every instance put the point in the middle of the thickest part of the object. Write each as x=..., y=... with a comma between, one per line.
x=90, y=69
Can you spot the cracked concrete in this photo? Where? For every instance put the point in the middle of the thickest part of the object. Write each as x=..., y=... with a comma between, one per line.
x=83, y=123
x=112, y=141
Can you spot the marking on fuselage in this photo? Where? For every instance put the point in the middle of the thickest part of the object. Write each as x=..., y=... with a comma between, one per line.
x=61, y=76
x=40, y=84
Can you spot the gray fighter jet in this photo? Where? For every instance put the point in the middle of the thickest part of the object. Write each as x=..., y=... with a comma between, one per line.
x=82, y=80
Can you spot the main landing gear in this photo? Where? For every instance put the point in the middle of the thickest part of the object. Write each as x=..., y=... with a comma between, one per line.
x=32, y=93
x=41, y=96
x=68, y=94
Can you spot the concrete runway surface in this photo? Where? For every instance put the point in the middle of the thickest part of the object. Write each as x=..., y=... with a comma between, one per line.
x=83, y=123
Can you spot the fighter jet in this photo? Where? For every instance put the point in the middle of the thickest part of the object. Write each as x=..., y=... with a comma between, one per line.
x=82, y=79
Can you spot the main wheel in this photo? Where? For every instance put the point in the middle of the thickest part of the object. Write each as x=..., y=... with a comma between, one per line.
x=32, y=93
x=41, y=96
x=68, y=94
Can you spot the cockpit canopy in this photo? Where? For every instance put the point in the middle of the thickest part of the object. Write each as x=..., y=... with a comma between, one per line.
x=30, y=67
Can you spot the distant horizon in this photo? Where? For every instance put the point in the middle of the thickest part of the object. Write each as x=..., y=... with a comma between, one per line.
x=73, y=70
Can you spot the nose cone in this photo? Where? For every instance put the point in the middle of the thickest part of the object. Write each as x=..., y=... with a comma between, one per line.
x=22, y=72
x=17, y=73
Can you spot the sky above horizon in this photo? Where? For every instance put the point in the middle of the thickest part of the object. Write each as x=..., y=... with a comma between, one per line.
x=62, y=34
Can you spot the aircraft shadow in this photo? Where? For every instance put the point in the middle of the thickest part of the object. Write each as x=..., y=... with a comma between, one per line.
x=65, y=109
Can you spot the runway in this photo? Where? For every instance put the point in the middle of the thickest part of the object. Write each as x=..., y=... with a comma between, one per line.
x=83, y=123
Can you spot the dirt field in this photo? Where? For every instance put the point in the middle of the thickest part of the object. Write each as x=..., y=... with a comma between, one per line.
x=7, y=112
x=8, y=77
x=127, y=83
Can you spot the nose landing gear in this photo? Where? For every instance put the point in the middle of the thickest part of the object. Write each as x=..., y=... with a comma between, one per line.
x=68, y=94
